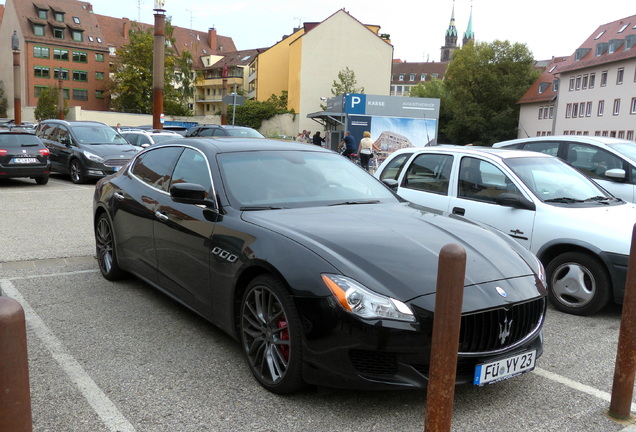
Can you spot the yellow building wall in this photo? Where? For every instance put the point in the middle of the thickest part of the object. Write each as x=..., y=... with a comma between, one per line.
x=295, y=68
x=273, y=68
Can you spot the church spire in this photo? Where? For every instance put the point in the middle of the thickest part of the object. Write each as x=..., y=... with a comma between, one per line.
x=450, y=40
x=469, y=35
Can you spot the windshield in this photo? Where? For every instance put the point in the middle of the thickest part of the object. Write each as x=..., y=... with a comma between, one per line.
x=550, y=179
x=259, y=180
x=162, y=138
x=628, y=148
x=97, y=134
x=244, y=132
x=15, y=140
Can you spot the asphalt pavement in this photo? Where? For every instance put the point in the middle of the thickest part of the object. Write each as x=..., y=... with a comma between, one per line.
x=107, y=356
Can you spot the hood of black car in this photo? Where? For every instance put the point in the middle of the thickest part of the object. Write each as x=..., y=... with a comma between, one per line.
x=112, y=151
x=394, y=248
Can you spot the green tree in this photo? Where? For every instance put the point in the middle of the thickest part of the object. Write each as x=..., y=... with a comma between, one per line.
x=483, y=83
x=435, y=89
x=254, y=112
x=346, y=83
x=3, y=101
x=47, y=107
x=132, y=84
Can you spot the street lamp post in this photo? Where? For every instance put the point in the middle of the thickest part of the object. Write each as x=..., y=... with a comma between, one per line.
x=158, y=64
x=17, y=85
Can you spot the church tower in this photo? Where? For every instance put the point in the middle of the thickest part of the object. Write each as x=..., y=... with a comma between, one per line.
x=450, y=39
x=469, y=35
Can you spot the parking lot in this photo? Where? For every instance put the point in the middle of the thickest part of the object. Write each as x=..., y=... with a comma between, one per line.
x=107, y=356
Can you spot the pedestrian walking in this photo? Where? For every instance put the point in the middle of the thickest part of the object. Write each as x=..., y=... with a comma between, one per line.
x=365, y=150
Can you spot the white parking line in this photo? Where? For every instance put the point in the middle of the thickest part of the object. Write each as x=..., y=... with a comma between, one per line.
x=103, y=406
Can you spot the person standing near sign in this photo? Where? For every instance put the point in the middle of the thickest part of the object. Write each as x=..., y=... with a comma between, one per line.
x=317, y=139
x=365, y=149
x=349, y=143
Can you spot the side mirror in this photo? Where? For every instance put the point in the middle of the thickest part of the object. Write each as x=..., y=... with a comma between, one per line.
x=616, y=174
x=66, y=141
x=515, y=201
x=190, y=193
x=391, y=184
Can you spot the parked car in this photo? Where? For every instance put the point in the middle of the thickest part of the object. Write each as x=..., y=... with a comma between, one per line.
x=323, y=274
x=222, y=130
x=84, y=149
x=610, y=162
x=580, y=232
x=146, y=138
x=22, y=154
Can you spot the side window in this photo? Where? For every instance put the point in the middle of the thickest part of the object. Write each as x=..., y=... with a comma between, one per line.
x=62, y=135
x=393, y=169
x=143, y=139
x=205, y=132
x=430, y=173
x=551, y=148
x=482, y=181
x=154, y=167
x=593, y=161
x=47, y=132
x=131, y=138
x=192, y=167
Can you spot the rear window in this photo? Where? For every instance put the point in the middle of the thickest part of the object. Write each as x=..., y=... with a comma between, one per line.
x=17, y=140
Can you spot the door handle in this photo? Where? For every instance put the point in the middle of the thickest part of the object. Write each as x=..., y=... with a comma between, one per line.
x=118, y=196
x=459, y=211
x=161, y=216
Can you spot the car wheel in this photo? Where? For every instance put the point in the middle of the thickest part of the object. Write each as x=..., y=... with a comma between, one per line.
x=270, y=334
x=105, y=249
x=42, y=180
x=77, y=172
x=578, y=283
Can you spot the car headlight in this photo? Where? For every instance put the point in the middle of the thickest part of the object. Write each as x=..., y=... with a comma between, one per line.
x=93, y=157
x=361, y=301
x=541, y=271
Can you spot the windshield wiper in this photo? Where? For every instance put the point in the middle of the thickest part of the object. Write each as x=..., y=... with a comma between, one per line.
x=355, y=202
x=601, y=199
x=566, y=200
x=251, y=208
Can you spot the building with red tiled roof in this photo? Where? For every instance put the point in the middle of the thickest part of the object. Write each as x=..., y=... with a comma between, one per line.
x=405, y=76
x=596, y=88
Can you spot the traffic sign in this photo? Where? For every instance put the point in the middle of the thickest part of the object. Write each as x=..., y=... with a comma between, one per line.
x=233, y=99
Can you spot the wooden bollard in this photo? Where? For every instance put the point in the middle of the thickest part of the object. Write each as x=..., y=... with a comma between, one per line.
x=445, y=342
x=625, y=368
x=15, y=396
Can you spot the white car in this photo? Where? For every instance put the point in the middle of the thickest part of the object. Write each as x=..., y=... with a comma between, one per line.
x=610, y=162
x=145, y=138
x=581, y=233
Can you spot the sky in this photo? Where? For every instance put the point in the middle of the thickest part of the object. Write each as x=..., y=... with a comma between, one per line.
x=550, y=28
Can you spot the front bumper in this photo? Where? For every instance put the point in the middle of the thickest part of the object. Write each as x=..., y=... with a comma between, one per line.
x=617, y=266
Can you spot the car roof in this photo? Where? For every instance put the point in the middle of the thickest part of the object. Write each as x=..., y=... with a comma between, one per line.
x=242, y=144
x=595, y=140
x=75, y=122
x=495, y=153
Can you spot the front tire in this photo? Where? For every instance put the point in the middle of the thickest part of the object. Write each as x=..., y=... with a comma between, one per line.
x=271, y=337
x=578, y=283
x=105, y=249
x=76, y=171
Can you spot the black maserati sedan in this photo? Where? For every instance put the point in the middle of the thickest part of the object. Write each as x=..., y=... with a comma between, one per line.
x=320, y=271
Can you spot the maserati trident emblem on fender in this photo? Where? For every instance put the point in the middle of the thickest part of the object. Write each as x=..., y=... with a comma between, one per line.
x=504, y=330
x=501, y=292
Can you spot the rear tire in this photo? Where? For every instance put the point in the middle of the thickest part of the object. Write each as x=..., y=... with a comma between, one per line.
x=578, y=283
x=42, y=180
x=76, y=171
x=105, y=249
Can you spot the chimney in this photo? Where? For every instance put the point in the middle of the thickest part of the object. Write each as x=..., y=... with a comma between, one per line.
x=212, y=38
x=126, y=27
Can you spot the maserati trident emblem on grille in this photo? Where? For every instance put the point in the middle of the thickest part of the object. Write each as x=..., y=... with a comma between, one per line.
x=504, y=330
x=502, y=292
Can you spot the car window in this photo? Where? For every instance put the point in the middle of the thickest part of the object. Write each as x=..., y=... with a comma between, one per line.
x=192, y=167
x=593, y=161
x=394, y=167
x=18, y=140
x=131, y=138
x=244, y=132
x=46, y=131
x=206, y=132
x=430, y=173
x=97, y=134
x=549, y=147
x=62, y=135
x=481, y=180
x=143, y=139
x=154, y=166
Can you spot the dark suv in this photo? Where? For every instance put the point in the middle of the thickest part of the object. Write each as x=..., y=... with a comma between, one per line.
x=22, y=154
x=84, y=149
x=222, y=130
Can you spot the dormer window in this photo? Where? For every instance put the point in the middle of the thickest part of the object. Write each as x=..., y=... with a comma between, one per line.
x=614, y=45
x=601, y=48
x=59, y=16
x=58, y=33
x=423, y=77
x=38, y=29
x=78, y=36
x=412, y=77
x=76, y=20
x=42, y=14
x=580, y=53
x=401, y=77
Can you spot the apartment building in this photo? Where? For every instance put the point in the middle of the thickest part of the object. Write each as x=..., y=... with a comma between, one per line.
x=591, y=92
x=405, y=75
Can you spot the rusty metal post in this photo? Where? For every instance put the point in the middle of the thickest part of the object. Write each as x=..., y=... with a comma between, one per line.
x=625, y=368
x=15, y=398
x=158, y=66
x=60, y=97
x=445, y=342
x=17, y=89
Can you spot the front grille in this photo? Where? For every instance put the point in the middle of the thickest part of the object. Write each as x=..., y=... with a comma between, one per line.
x=374, y=362
x=115, y=162
x=498, y=329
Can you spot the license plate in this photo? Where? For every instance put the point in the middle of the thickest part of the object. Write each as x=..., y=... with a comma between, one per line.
x=25, y=160
x=488, y=373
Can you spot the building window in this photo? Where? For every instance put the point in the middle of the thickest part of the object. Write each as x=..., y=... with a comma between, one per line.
x=99, y=75
x=99, y=57
x=619, y=76
x=617, y=107
x=79, y=75
x=572, y=84
x=401, y=77
x=80, y=57
x=582, y=109
x=58, y=33
x=78, y=36
x=633, y=110
x=588, y=109
x=37, y=90
x=423, y=77
x=76, y=20
x=66, y=93
x=592, y=79
x=568, y=111
x=38, y=30
x=99, y=94
x=59, y=16
x=412, y=77
x=42, y=14
x=601, y=108
x=540, y=113
x=578, y=82
x=584, y=85
x=551, y=111
x=80, y=94
x=621, y=134
x=434, y=75
x=575, y=110
x=42, y=72
x=603, y=78
x=111, y=49
x=60, y=73
x=41, y=52
x=630, y=135
x=60, y=54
